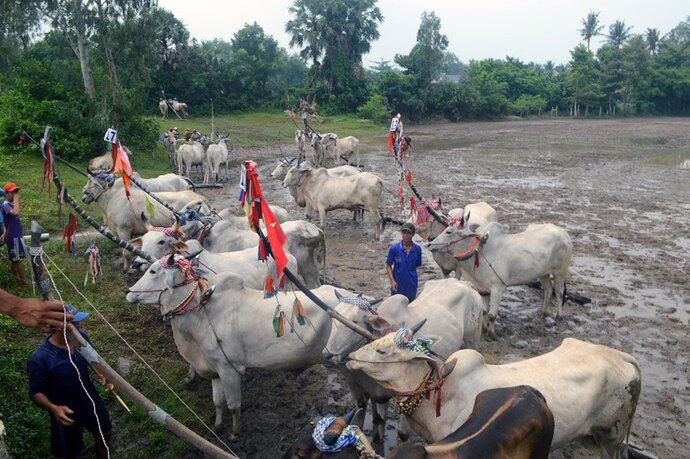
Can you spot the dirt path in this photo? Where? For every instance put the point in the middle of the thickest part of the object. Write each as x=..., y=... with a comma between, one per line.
x=617, y=189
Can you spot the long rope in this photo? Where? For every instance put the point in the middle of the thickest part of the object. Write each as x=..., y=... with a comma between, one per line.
x=138, y=355
x=39, y=254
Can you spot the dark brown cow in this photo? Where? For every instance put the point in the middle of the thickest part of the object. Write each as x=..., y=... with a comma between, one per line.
x=511, y=422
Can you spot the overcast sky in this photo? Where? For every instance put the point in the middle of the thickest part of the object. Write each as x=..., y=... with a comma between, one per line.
x=531, y=30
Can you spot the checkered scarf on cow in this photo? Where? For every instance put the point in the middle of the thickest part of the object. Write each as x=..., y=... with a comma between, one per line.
x=419, y=344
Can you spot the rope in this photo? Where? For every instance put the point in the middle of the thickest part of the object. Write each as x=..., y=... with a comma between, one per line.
x=138, y=355
x=39, y=254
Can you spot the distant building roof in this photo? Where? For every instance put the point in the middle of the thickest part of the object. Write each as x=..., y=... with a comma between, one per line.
x=453, y=78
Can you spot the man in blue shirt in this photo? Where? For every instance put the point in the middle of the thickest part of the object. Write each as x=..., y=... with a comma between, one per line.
x=403, y=259
x=55, y=387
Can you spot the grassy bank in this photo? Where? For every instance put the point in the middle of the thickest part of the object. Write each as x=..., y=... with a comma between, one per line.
x=134, y=435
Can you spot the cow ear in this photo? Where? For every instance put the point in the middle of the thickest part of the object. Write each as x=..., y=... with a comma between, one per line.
x=443, y=369
x=180, y=246
x=136, y=242
x=378, y=326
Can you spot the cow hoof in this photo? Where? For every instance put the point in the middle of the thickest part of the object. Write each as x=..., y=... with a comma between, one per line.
x=403, y=436
x=218, y=428
x=234, y=436
x=185, y=383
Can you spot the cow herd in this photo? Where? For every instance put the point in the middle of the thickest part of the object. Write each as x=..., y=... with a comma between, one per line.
x=202, y=269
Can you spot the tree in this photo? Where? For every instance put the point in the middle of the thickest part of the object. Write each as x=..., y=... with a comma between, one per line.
x=305, y=29
x=254, y=59
x=425, y=60
x=590, y=27
x=19, y=23
x=582, y=80
x=652, y=38
x=618, y=33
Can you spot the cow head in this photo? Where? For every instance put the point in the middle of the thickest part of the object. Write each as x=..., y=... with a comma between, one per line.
x=329, y=140
x=156, y=242
x=158, y=284
x=295, y=176
x=96, y=186
x=391, y=365
x=343, y=340
x=315, y=139
x=282, y=167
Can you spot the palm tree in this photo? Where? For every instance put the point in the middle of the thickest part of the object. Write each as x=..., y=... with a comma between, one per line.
x=305, y=29
x=590, y=27
x=652, y=38
x=618, y=33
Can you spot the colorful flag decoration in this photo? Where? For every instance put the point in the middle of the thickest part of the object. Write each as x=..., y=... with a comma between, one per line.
x=121, y=164
x=68, y=233
x=48, y=164
x=94, y=263
x=256, y=208
x=278, y=322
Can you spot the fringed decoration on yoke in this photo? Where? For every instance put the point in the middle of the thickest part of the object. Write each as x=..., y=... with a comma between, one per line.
x=279, y=322
x=68, y=233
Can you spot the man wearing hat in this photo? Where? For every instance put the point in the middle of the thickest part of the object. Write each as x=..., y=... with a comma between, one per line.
x=12, y=235
x=56, y=386
x=403, y=259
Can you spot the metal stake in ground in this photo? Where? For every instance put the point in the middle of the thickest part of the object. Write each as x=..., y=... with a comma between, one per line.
x=92, y=356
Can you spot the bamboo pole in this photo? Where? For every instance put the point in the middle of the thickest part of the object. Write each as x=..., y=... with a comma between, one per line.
x=92, y=356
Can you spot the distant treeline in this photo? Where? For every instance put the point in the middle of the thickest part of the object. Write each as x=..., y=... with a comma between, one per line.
x=104, y=62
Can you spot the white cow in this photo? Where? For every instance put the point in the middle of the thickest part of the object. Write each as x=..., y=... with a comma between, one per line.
x=234, y=330
x=217, y=155
x=165, y=182
x=179, y=107
x=244, y=263
x=341, y=148
x=591, y=389
x=453, y=310
x=163, y=107
x=105, y=161
x=123, y=215
x=170, y=143
x=478, y=213
x=317, y=149
x=304, y=241
x=241, y=222
x=539, y=252
x=324, y=192
x=300, y=141
x=189, y=155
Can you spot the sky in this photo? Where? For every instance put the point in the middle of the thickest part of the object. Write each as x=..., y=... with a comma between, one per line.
x=530, y=30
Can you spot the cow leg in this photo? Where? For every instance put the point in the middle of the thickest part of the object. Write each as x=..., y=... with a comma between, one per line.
x=494, y=301
x=233, y=396
x=559, y=285
x=379, y=412
x=322, y=220
x=218, y=402
x=191, y=376
x=548, y=292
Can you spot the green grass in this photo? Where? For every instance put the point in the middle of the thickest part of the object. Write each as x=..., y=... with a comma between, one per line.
x=262, y=128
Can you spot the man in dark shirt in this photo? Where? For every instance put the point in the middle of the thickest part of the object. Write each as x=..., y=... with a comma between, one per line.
x=55, y=386
x=12, y=235
x=403, y=259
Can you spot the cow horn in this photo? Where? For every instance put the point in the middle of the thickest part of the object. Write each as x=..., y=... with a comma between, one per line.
x=171, y=260
x=467, y=219
x=416, y=328
x=349, y=416
x=376, y=301
x=338, y=295
x=177, y=221
x=193, y=255
x=145, y=220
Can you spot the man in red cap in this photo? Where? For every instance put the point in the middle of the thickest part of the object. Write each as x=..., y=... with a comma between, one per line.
x=12, y=236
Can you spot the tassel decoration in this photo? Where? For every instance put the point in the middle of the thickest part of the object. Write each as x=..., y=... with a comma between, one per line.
x=279, y=322
x=299, y=312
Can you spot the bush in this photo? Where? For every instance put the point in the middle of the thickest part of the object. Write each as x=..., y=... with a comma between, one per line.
x=375, y=110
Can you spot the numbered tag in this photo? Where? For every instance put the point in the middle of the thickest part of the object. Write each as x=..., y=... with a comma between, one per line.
x=110, y=136
x=394, y=124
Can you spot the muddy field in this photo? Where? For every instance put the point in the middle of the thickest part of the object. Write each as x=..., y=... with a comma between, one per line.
x=617, y=189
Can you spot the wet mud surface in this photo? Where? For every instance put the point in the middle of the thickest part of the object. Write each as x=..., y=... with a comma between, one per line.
x=617, y=189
